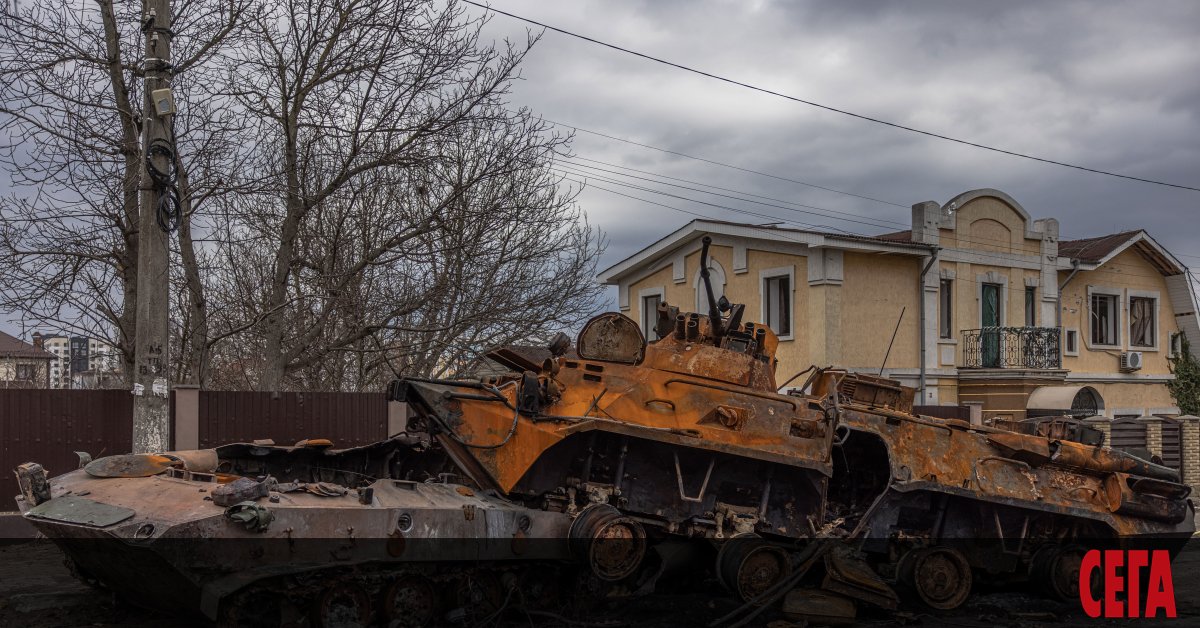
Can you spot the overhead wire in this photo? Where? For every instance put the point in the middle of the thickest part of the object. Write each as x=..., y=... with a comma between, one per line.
x=869, y=221
x=810, y=103
x=722, y=164
x=775, y=232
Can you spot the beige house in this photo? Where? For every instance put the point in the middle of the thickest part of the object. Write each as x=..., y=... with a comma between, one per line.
x=989, y=308
x=23, y=365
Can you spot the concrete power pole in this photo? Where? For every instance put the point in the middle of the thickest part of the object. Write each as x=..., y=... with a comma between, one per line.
x=151, y=418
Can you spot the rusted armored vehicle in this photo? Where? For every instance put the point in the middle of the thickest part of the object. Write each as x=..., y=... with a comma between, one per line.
x=601, y=467
x=689, y=437
x=257, y=534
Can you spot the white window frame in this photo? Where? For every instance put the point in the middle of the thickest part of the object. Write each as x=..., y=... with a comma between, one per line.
x=657, y=291
x=1119, y=325
x=949, y=324
x=716, y=274
x=995, y=278
x=1174, y=343
x=1066, y=331
x=1144, y=294
x=771, y=273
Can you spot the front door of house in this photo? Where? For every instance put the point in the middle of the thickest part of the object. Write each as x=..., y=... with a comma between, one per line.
x=990, y=319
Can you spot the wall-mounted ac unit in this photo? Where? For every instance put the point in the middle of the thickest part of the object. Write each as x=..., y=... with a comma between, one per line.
x=1131, y=361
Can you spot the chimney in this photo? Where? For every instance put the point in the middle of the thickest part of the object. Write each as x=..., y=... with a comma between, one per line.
x=38, y=343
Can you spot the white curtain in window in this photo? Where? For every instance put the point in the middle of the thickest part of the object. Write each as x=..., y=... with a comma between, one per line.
x=1141, y=322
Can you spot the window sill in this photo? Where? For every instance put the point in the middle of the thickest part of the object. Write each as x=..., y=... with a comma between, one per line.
x=1144, y=349
x=947, y=341
x=1100, y=347
x=785, y=338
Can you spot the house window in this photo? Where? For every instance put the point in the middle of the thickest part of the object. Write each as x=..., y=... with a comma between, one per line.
x=650, y=305
x=25, y=372
x=777, y=304
x=1104, y=316
x=1176, y=346
x=1142, y=319
x=945, y=320
x=1071, y=342
x=1030, y=306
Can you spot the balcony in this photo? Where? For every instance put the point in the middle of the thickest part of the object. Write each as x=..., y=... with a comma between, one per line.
x=1012, y=348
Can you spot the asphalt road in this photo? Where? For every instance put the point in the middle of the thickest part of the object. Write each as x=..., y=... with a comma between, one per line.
x=37, y=591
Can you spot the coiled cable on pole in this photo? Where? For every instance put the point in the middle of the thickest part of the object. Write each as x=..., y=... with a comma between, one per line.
x=167, y=208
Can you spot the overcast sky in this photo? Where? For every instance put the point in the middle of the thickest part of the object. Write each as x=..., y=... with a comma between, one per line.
x=1107, y=85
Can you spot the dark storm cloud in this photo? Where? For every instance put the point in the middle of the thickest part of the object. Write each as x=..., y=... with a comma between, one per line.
x=1103, y=84
x=1110, y=85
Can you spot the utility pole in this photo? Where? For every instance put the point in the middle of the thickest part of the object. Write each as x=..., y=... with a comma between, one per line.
x=151, y=418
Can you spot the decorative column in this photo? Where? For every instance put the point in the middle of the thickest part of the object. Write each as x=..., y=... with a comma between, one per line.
x=1189, y=449
x=187, y=417
x=1153, y=434
x=1104, y=424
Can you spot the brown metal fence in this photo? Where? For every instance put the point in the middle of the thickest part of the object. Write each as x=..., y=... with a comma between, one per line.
x=48, y=426
x=348, y=419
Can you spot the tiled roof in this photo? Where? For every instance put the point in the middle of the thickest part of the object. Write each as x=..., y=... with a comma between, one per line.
x=899, y=236
x=1092, y=250
x=11, y=347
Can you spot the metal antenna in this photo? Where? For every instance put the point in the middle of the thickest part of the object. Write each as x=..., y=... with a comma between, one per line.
x=896, y=331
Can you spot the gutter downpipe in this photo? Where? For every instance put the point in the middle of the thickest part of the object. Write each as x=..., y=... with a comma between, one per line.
x=921, y=306
x=1058, y=304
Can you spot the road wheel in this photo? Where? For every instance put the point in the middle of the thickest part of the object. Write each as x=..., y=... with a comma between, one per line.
x=940, y=576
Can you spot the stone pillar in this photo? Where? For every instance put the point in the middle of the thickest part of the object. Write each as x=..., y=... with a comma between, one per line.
x=186, y=421
x=397, y=417
x=1189, y=449
x=1153, y=434
x=1102, y=423
x=976, y=411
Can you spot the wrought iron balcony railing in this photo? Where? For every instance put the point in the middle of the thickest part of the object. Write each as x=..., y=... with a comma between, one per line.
x=1012, y=348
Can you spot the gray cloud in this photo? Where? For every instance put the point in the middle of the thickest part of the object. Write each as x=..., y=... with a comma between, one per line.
x=1102, y=84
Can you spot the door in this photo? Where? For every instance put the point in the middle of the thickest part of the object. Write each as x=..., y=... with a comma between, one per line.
x=990, y=319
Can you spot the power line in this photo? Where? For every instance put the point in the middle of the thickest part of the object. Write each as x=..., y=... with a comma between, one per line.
x=743, y=192
x=737, y=198
x=826, y=107
x=748, y=170
x=722, y=164
x=778, y=233
x=867, y=220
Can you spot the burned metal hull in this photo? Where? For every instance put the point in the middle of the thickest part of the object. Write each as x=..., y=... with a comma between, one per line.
x=607, y=467
x=159, y=541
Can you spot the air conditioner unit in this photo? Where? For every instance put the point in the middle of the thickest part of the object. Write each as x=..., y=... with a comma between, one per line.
x=1131, y=361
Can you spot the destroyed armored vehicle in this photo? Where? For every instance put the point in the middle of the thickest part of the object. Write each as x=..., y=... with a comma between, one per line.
x=600, y=470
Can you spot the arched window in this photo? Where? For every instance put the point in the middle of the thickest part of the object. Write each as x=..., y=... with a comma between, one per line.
x=716, y=274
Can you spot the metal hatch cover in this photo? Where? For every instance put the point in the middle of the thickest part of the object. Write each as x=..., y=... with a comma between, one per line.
x=81, y=511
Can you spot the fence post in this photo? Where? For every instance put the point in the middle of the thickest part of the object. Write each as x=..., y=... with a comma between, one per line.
x=1104, y=424
x=1189, y=449
x=1153, y=434
x=397, y=417
x=187, y=417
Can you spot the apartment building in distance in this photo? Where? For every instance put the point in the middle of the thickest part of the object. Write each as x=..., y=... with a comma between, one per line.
x=989, y=307
x=80, y=361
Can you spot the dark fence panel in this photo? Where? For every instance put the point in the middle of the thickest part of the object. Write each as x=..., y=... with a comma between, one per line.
x=49, y=426
x=945, y=412
x=348, y=419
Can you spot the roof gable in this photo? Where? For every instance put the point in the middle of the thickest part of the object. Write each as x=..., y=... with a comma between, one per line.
x=1097, y=251
x=12, y=347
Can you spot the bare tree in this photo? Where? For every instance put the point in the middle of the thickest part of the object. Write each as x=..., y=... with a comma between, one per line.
x=71, y=112
x=359, y=106
x=357, y=197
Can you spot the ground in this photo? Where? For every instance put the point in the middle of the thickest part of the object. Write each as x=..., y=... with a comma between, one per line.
x=37, y=591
